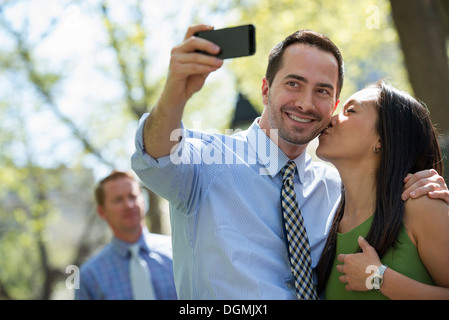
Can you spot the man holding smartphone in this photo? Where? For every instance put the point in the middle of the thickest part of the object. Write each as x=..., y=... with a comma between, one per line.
x=228, y=234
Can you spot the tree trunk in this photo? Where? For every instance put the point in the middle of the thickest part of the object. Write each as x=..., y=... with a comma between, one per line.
x=422, y=31
x=154, y=213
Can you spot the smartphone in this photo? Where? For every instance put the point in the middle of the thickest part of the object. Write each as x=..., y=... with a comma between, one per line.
x=234, y=42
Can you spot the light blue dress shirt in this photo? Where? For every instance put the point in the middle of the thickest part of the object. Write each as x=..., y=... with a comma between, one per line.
x=225, y=212
x=105, y=276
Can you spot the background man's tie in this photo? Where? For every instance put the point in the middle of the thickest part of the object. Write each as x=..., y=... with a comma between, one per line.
x=298, y=243
x=140, y=276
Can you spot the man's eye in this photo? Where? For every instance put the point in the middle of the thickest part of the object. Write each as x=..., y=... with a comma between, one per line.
x=324, y=91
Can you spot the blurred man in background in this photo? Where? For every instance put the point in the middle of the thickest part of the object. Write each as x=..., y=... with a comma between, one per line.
x=115, y=273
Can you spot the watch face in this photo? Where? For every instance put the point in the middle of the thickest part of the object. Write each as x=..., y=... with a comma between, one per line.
x=376, y=282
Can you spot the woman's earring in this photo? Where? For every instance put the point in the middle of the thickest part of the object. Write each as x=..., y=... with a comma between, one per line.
x=376, y=150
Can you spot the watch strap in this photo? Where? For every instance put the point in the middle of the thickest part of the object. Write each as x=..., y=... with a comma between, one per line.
x=379, y=275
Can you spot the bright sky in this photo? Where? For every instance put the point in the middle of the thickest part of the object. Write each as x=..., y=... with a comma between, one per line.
x=77, y=46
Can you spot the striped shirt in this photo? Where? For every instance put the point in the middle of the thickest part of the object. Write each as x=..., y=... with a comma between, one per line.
x=225, y=211
x=105, y=276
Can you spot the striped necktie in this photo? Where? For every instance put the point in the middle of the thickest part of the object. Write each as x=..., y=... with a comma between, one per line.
x=298, y=243
x=139, y=274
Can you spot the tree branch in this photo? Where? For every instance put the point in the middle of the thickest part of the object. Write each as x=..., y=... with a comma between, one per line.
x=44, y=89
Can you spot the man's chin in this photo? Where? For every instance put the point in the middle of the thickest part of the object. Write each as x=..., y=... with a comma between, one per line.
x=298, y=139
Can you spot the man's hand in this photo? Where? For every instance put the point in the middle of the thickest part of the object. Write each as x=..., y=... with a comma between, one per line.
x=355, y=266
x=188, y=68
x=187, y=73
x=426, y=182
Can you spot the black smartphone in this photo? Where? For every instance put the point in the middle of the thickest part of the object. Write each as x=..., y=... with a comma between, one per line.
x=234, y=42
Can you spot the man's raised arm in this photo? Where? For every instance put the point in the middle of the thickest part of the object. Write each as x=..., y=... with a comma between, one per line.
x=187, y=73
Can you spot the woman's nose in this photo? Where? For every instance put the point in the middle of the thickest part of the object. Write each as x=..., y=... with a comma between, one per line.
x=334, y=120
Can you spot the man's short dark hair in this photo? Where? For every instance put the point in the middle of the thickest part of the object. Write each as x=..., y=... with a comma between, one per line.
x=310, y=38
x=114, y=175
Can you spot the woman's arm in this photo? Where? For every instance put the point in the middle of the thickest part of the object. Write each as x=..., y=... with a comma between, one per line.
x=427, y=222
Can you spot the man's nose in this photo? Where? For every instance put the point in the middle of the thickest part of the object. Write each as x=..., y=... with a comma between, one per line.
x=130, y=203
x=304, y=101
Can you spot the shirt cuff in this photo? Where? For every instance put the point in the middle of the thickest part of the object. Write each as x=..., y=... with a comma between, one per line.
x=142, y=158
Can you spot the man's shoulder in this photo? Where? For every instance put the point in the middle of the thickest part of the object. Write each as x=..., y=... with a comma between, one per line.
x=158, y=242
x=97, y=259
x=158, y=237
x=324, y=171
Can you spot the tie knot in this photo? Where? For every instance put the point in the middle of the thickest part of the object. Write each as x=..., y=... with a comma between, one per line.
x=134, y=249
x=288, y=171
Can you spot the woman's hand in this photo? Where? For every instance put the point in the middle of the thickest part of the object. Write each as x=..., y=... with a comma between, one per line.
x=358, y=267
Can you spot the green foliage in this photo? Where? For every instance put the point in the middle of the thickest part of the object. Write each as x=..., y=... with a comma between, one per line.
x=24, y=215
x=369, y=46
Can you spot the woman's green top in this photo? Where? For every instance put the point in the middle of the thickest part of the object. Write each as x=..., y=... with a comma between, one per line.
x=403, y=259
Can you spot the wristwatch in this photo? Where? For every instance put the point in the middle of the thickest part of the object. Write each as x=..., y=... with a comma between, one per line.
x=378, y=277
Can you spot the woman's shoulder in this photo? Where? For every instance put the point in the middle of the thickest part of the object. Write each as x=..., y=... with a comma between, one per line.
x=422, y=206
x=423, y=215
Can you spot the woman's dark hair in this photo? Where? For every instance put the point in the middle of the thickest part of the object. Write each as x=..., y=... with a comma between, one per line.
x=310, y=38
x=409, y=144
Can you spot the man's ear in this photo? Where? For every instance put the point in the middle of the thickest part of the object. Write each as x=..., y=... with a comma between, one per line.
x=100, y=212
x=265, y=89
x=336, y=104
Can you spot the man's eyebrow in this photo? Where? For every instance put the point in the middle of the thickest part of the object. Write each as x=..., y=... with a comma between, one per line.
x=301, y=78
x=297, y=77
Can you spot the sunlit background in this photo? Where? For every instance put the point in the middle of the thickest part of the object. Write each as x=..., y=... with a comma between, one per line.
x=76, y=76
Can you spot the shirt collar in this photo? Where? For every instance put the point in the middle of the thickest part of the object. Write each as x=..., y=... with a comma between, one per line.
x=122, y=247
x=269, y=154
